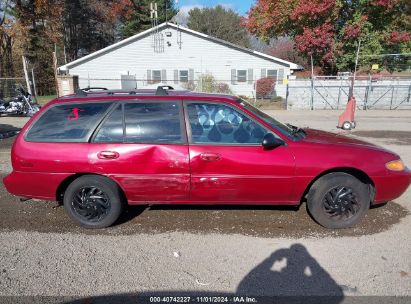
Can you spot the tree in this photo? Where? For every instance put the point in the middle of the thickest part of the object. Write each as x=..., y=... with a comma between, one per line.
x=89, y=25
x=6, y=61
x=137, y=17
x=219, y=22
x=284, y=48
x=329, y=30
x=40, y=20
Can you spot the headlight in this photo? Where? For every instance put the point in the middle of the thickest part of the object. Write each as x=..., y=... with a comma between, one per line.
x=395, y=165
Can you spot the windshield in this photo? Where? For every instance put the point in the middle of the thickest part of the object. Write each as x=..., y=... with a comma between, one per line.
x=287, y=130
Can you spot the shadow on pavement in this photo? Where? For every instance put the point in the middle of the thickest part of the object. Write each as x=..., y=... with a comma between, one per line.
x=8, y=130
x=289, y=272
x=288, y=275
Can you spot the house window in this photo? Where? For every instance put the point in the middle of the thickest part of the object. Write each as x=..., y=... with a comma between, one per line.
x=272, y=74
x=156, y=76
x=184, y=76
x=242, y=75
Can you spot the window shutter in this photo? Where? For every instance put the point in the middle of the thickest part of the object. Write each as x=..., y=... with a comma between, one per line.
x=190, y=75
x=176, y=76
x=163, y=76
x=250, y=76
x=280, y=75
x=148, y=76
x=263, y=73
x=233, y=76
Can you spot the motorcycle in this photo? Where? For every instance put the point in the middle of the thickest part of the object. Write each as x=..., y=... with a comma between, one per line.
x=23, y=104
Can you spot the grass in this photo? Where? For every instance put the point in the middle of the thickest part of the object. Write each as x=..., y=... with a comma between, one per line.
x=45, y=99
x=276, y=103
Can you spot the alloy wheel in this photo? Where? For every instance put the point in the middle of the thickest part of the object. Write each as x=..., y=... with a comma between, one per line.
x=340, y=203
x=91, y=203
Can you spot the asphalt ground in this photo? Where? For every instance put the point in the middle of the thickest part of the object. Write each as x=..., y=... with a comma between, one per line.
x=211, y=249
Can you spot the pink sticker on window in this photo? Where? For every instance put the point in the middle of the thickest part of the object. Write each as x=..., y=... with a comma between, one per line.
x=74, y=114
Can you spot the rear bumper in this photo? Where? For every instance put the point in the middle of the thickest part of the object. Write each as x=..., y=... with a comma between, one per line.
x=391, y=186
x=34, y=184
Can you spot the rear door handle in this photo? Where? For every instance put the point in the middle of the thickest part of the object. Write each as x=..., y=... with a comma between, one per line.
x=108, y=155
x=210, y=156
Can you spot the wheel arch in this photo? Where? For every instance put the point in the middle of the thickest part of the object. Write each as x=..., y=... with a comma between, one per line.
x=361, y=175
x=68, y=180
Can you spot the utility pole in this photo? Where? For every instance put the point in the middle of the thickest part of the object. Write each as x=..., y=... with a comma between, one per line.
x=355, y=70
x=312, y=84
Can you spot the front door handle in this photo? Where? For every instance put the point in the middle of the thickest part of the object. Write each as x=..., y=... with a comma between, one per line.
x=108, y=155
x=210, y=156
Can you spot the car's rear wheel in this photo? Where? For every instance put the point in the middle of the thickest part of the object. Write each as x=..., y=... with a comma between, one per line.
x=338, y=200
x=93, y=201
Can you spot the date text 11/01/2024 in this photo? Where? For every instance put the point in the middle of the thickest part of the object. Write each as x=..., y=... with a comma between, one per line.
x=203, y=299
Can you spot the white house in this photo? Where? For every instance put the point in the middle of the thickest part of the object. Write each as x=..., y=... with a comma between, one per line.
x=177, y=56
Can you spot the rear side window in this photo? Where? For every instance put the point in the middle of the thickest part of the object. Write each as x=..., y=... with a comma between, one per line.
x=112, y=128
x=67, y=123
x=142, y=122
x=153, y=123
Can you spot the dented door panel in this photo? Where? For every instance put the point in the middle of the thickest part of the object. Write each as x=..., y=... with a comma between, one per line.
x=147, y=173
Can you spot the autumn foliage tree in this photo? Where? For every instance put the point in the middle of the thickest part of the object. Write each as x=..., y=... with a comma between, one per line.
x=329, y=30
x=284, y=48
x=73, y=28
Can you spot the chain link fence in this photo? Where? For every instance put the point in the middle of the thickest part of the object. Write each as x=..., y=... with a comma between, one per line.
x=8, y=86
x=204, y=84
x=331, y=92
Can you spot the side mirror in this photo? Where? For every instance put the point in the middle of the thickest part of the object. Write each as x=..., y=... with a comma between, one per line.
x=271, y=142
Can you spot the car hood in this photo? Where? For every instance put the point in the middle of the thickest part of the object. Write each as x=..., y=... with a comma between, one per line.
x=323, y=137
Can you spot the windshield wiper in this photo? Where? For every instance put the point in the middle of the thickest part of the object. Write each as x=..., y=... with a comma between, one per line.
x=294, y=129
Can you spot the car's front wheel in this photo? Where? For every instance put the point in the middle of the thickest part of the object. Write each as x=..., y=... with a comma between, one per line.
x=338, y=200
x=93, y=201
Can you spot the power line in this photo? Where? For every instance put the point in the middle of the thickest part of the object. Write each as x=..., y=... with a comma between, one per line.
x=384, y=55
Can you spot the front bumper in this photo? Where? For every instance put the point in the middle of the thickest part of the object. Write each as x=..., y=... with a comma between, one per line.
x=391, y=186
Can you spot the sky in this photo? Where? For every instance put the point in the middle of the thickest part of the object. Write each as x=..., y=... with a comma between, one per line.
x=240, y=6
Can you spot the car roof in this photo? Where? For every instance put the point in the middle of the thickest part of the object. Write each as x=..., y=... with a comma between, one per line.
x=91, y=94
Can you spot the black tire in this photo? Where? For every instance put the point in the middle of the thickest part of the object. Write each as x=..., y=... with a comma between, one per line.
x=93, y=201
x=338, y=200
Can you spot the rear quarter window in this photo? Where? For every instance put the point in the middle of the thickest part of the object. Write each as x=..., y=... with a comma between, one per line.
x=67, y=122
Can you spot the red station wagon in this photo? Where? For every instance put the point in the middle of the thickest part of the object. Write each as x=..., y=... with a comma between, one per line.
x=97, y=151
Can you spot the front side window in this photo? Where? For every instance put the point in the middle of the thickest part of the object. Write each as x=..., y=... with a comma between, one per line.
x=183, y=76
x=241, y=75
x=152, y=122
x=67, y=122
x=220, y=124
x=156, y=76
x=283, y=128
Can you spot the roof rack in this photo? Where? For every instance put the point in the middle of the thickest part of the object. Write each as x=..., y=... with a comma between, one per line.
x=80, y=93
x=160, y=91
x=163, y=90
x=88, y=89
